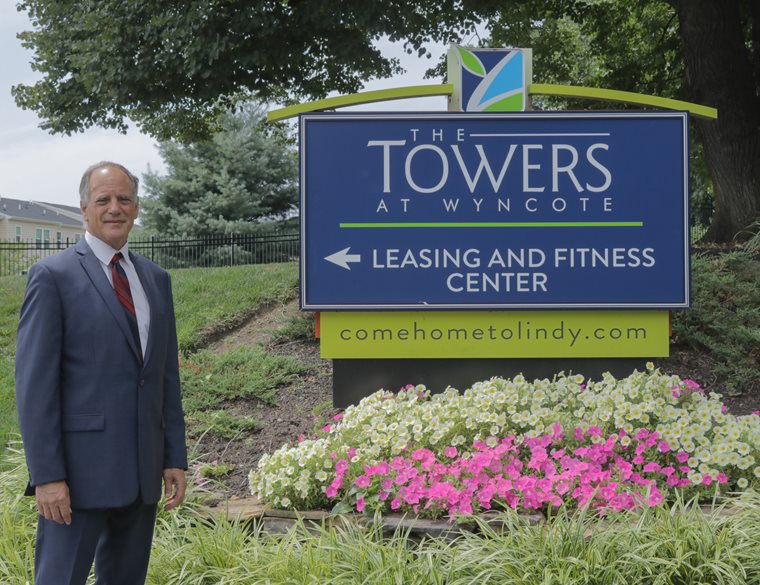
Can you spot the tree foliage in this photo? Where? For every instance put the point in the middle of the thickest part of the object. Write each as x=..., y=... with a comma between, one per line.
x=704, y=51
x=172, y=66
x=226, y=184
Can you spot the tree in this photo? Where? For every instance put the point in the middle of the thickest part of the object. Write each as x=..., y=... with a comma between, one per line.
x=227, y=184
x=173, y=66
x=704, y=51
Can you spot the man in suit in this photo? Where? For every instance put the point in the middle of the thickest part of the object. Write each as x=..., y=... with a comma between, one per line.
x=98, y=393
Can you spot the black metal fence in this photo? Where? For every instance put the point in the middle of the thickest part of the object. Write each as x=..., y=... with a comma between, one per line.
x=222, y=250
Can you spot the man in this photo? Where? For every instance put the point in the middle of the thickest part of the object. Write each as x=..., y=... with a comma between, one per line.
x=97, y=387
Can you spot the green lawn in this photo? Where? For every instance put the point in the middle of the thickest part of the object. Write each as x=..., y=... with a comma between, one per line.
x=207, y=301
x=11, y=296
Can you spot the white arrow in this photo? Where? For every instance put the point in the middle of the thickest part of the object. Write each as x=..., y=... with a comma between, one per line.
x=342, y=258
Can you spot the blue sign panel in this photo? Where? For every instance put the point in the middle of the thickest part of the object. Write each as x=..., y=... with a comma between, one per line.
x=519, y=210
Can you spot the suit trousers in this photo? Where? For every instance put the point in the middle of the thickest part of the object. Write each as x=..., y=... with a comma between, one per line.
x=118, y=539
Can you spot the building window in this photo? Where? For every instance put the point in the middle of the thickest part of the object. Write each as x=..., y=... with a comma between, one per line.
x=58, y=239
x=46, y=238
x=18, y=233
x=38, y=237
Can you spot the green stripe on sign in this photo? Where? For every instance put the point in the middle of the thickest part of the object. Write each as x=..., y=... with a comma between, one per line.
x=513, y=103
x=494, y=224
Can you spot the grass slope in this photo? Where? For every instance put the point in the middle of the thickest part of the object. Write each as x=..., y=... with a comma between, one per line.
x=11, y=296
x=210, y=301
x=207, y=301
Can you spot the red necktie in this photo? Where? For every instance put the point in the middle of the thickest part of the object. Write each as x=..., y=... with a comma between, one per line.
x=124, y=294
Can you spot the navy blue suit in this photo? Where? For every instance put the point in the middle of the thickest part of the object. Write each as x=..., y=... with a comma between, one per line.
x=91, y=412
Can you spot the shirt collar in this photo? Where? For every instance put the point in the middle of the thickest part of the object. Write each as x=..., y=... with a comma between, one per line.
x=103, y=251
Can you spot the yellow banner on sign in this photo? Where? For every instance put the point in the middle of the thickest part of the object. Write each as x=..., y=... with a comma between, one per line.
x=494, y=334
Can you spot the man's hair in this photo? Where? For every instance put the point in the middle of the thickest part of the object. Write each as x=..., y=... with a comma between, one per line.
x=84, y=185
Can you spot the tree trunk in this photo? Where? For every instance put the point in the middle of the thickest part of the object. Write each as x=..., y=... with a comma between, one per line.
x=719, y=73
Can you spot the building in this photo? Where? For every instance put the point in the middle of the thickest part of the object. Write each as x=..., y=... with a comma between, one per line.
x=48, y=225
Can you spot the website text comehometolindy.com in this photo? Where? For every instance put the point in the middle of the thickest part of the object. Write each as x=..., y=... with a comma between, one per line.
x=521, y=331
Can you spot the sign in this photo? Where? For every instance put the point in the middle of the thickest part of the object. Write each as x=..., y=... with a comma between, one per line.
x=518, y=210
x=494, y=334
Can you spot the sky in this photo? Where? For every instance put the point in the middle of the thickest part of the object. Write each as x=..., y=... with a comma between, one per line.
x=38, y=166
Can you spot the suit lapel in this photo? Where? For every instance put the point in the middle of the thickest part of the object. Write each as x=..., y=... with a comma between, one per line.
x=94, y=270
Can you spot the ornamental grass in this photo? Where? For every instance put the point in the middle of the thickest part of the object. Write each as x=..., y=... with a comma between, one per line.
x=610, y=445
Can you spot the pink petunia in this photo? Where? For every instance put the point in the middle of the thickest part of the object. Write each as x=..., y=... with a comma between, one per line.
x=450, y=452
x=395, y=503
x=707, y=480
x=360, y=504
x=326, y=428
x=331, y=491
x=663, y=447
x=338, y=416
x=651, y=467
x=642, y=434
x=682, y=456
x=382, y=468
x=655, y=497
x=363, y=481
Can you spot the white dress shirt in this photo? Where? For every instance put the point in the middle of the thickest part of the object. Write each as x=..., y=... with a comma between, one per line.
x=104, y=253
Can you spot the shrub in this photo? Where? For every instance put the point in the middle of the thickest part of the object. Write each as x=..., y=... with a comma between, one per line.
x=243, y=372
x=724, y=320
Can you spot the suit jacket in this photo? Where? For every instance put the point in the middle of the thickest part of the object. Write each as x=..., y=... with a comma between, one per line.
x=90, y=412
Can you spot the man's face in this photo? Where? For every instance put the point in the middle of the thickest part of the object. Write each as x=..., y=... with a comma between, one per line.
x=111, y=209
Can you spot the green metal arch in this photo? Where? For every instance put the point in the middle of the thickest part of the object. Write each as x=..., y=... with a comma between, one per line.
x=414, y=91
x=364, y=97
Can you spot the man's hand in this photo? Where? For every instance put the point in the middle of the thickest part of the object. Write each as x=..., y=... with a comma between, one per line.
x=175, y=483
x=53, y=501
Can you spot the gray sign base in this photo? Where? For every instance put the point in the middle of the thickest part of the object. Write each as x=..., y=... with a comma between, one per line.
x=353, y=379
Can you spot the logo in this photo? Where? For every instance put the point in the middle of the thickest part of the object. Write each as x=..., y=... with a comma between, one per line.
x=489, y=80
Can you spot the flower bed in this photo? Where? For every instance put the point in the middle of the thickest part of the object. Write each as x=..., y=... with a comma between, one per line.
x=612, y=444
